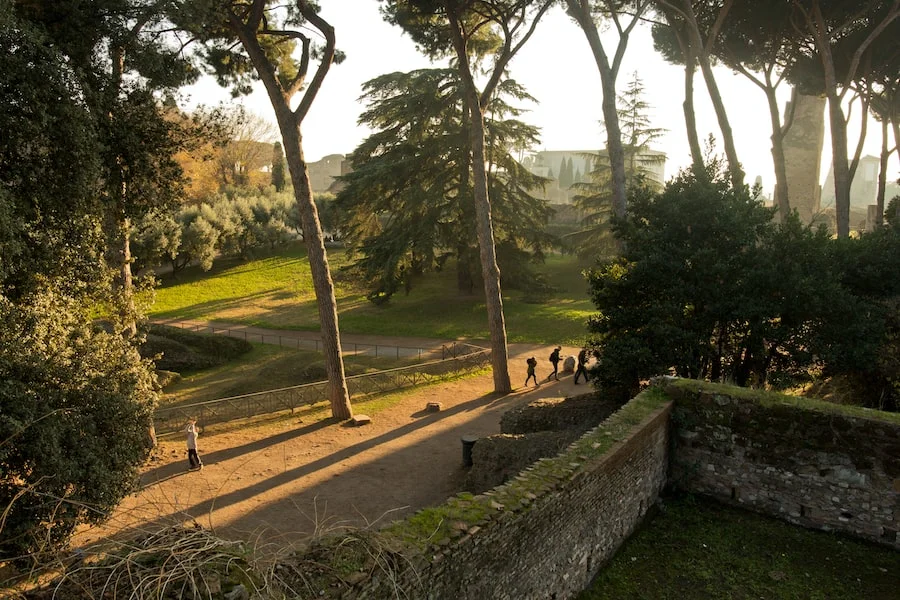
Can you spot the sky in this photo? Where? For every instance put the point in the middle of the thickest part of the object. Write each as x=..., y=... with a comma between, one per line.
x=558, y=69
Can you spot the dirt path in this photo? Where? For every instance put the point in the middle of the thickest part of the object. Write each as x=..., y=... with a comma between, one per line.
x=279, y=483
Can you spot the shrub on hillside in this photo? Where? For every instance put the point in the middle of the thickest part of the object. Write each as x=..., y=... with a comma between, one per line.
x=180, y=350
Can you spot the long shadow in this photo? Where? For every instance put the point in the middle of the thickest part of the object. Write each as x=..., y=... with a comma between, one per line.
x=196, y=311
x=302, y=470
x=371, y=493
x=160, y=474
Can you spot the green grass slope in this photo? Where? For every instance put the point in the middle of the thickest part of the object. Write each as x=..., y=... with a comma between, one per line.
x=276, y=292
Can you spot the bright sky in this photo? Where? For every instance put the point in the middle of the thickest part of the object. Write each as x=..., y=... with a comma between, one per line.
x=557, y=68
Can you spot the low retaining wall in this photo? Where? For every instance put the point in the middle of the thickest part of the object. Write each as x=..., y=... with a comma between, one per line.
x=577, y=413
x=812, y=463
x=498, y=458
x=544, y=534
x=540, y=429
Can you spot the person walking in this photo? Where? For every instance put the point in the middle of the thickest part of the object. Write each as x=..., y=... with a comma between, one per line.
x=554, y=360
x=532, y=363
x=192, y=431
x=582, y=366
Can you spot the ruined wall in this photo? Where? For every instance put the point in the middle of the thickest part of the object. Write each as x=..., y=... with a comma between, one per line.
x=547, y=532
x=803, y=154
x=539, y=429
x=578, y=413
x=815, y=464
x=498, y=458
x=543, y=535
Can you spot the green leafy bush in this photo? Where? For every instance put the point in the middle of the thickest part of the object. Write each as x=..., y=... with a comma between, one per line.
x=75, y=411
x=180, y=350
x=709, y=287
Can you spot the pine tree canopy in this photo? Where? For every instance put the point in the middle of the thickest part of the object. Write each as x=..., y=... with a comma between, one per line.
x=408, y=202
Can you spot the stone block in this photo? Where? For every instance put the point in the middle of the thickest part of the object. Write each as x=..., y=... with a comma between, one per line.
x=360, y=420
x=433, y=407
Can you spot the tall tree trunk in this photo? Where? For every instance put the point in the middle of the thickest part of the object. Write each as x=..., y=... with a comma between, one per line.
x=734, y=165
x=882, y=174
x=781, y=187
x=289, y=124
x=864, y=121
x=120, y=239
x=712, y=87
x=895, y=125
x=318, y=263
x=126, y=281
x=690, y=115
x=580, y=11
x=839, y=165
x=484, y=226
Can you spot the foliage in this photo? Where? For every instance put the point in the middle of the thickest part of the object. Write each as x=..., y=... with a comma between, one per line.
x=408, y=203
x=189, y=351
x=156, y=240
x=75, y=408
x=594, y=198
x=710, y=288
x=239, y=224
x=48, y=221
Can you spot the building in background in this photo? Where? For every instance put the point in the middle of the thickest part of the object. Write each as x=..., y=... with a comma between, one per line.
x=567, y=167
x=322, y=172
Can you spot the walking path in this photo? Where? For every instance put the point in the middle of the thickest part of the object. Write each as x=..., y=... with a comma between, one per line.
x=282, y=482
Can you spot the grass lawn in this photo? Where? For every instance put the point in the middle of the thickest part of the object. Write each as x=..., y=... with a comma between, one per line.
x=699, y=549
x=266, y=367
x=276, y=292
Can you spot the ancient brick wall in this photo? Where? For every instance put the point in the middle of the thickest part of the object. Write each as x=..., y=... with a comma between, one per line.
x=540, y=429
x=578, y=413
x=814, y=464
x=544, y=534
x=803, y=153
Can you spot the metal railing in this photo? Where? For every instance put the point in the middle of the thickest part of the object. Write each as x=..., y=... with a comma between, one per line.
x=298, y=343
x=459, y=358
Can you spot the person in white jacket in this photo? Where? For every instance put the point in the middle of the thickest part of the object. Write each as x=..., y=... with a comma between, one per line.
x=192, y=432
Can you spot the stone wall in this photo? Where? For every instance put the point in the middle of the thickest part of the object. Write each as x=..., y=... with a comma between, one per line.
x=498, y=458
x=540, y=429
x=815, y=464
x=544, y=534
x=578, y=413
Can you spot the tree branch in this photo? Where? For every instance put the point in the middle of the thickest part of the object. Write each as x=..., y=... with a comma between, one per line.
x=324, y=64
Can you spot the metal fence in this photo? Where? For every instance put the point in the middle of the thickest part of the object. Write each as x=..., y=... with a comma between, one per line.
x=288, y=341
x=459, y=358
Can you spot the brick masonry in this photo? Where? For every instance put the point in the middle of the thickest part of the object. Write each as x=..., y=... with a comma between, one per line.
x=547, y=532
x=543, y=535
x=805, y=462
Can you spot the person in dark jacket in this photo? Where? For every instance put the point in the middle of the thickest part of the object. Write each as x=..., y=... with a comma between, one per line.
x=582, y=365
x=532, y=363
x=554, y=360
